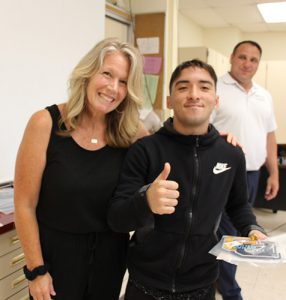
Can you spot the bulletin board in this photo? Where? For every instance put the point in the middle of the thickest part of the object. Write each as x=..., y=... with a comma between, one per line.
x=150, y=26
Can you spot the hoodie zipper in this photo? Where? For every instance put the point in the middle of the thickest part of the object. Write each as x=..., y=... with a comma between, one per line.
x=190, y=213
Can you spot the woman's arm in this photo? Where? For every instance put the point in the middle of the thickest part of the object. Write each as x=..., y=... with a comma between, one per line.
x=30, y=164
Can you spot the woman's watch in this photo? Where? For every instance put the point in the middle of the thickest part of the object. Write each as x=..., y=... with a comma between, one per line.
x=40, y=270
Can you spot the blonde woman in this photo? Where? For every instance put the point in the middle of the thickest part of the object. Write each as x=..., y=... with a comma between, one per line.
x=66, y=171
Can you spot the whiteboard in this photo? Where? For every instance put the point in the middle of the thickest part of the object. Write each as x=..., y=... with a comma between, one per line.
x=41, y=42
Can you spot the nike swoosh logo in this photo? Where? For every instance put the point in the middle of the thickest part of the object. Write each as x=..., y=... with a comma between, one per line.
x=218, y=171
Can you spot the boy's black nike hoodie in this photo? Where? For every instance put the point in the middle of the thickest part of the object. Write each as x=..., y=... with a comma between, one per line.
x=170, y=252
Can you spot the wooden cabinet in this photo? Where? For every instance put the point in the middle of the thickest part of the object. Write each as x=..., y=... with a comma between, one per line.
x=13, y=284
x=21, y=295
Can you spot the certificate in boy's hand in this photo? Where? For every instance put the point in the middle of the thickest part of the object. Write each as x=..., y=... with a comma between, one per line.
x=251, y=248
x=235, y=250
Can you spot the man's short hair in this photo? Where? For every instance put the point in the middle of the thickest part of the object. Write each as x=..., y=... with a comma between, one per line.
x=253, y=43
x=194, y=63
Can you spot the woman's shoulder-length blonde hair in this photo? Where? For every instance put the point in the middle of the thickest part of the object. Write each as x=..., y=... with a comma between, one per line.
x=122, y=123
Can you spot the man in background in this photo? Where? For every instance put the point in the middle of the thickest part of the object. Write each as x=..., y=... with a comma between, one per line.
x=246, y=110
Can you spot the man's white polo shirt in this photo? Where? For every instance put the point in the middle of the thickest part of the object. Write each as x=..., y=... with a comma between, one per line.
x=248, y=115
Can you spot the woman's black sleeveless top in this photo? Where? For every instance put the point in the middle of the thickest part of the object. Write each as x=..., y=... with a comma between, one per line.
x=77, y=184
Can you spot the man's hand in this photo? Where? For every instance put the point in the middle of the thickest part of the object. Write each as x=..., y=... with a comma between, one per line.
x=272, y=187
x=163, y=194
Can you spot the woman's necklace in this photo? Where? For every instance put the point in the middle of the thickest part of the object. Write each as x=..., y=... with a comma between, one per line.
x=93, y=140
x=91, y=134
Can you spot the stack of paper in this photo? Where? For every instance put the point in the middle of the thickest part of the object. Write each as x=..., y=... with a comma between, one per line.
x=6, y=200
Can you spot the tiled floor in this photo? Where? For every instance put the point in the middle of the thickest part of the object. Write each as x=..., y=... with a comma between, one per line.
x=267, y=282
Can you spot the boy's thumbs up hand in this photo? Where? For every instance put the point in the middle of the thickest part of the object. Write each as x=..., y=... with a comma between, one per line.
x=163, y=194
x=165, y=172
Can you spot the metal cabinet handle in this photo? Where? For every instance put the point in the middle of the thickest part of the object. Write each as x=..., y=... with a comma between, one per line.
x=18, y=281
x=14, y=240
x=17, y=259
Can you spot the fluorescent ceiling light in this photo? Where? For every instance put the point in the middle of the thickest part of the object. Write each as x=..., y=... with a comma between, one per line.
x=273, y=12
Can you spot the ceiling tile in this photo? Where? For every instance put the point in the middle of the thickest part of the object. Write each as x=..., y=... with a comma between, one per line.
x=255, y=27
x=265, y=1
x=248, y=14
x=228, y=3
x=240, y=14
x=192, y=4
x=277, y=27
x=205, y=17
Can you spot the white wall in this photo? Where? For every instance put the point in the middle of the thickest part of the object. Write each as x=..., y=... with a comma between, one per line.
x=41, y=41
x=222, y=40
x=189, y=33
x=272, y=43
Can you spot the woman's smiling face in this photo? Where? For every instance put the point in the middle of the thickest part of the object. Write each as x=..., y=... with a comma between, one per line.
x=107, y=88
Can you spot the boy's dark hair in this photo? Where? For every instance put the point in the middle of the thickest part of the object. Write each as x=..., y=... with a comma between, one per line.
x=255, y=44
x=194, y=63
